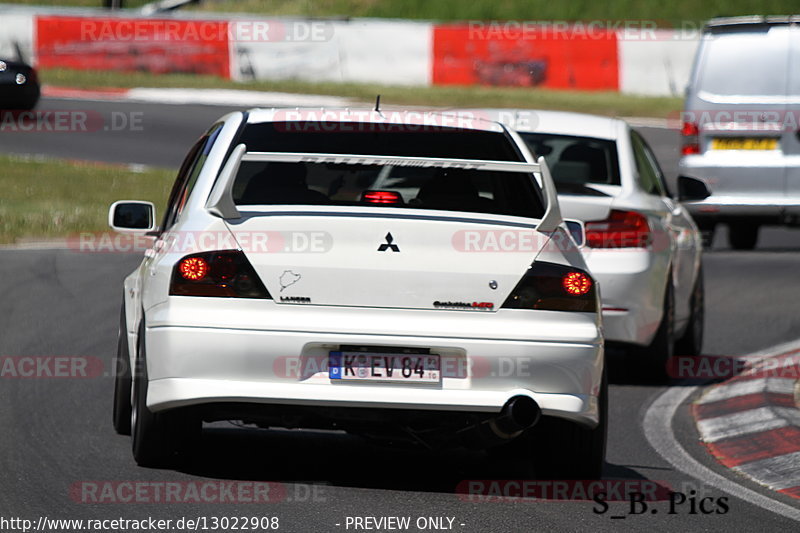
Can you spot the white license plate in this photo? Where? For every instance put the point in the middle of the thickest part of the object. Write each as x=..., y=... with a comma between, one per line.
x=386, y=367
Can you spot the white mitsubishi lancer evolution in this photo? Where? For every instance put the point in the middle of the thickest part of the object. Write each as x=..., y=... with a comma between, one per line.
x=394, y=274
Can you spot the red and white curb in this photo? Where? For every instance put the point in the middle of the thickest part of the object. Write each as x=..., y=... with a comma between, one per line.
x=751, y=423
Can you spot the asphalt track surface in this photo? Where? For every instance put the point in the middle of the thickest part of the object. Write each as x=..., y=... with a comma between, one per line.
x=57, y=432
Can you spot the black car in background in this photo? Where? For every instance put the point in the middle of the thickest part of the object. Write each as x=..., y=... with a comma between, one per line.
x=19, y=85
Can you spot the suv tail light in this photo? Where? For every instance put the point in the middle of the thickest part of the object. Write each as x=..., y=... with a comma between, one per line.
x=553, y=287
x=622, y=229
x=690, y=143
x=226, y=274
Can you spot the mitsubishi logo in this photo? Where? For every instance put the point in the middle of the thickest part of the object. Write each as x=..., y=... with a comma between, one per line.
x=388, y=244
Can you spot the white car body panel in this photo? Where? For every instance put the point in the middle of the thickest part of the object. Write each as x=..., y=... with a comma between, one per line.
x=205, y=350
x=416, y=280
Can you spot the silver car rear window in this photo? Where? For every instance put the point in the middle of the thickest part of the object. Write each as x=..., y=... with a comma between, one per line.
x=576, y=161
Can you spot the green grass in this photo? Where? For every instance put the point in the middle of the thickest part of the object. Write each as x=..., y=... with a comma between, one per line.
x=604, y=103
x=668, y=13
x=665, y=13
x=49, y=198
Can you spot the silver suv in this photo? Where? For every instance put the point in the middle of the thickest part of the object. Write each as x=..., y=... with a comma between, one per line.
x=741, y=125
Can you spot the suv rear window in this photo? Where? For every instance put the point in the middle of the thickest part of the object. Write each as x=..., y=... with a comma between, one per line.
x=576, y=161
x=746, y=63
x=478, y=191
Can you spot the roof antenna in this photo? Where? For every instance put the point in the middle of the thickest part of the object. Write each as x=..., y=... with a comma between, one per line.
x=378, y=104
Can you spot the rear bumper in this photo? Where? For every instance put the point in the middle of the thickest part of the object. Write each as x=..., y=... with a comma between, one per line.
x=722, y=207
x=194, y=364
x=632, y=285
x=752, y=185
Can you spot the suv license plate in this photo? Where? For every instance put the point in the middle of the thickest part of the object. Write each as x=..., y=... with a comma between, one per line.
x=742, y=143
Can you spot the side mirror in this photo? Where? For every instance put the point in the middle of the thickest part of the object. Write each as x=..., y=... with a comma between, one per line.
x=692, y=189
x=131, y=216
x=577, y=230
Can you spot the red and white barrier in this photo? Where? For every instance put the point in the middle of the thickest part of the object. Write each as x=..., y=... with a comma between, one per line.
x=554, y=55
x=660, y=66
x=477, y=54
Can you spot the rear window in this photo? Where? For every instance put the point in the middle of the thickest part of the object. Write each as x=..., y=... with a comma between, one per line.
x=746, y=63
x=477, y=191
x=576, y=162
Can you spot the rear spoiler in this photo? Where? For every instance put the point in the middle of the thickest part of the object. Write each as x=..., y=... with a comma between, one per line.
x=220, y=201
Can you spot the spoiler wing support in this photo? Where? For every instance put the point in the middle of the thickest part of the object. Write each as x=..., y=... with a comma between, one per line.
x=220, y=201
x=552, y=214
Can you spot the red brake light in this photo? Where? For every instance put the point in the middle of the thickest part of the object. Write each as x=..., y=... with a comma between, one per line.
x=576, y=283
x=622, y=229
x=382, y=197
x=226, y=274
x=193, y=268
x=689, y=128
x=689, y=149
x=553, y=287
x=690, y=133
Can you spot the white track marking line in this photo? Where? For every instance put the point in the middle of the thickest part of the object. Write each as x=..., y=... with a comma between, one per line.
x=236, y=97
x=658, y=431
x=752, y=386
x=779, y=472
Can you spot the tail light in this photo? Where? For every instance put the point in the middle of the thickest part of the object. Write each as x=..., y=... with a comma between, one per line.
x=382, y=197
x=553, y=287
x=622, y=229
x=690, y=138
x=226, y=274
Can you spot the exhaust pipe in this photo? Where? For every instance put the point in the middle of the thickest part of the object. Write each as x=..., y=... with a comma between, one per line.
x=518, y=414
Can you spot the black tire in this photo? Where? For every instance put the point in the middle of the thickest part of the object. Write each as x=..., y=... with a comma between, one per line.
x=561, y=449
x=122, y=380
x=743, y=236
x=158, y=438
x=650, y=362
x=567, y=450
x=691, y=343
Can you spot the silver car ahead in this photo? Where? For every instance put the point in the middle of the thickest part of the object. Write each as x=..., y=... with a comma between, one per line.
x=740, y=128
